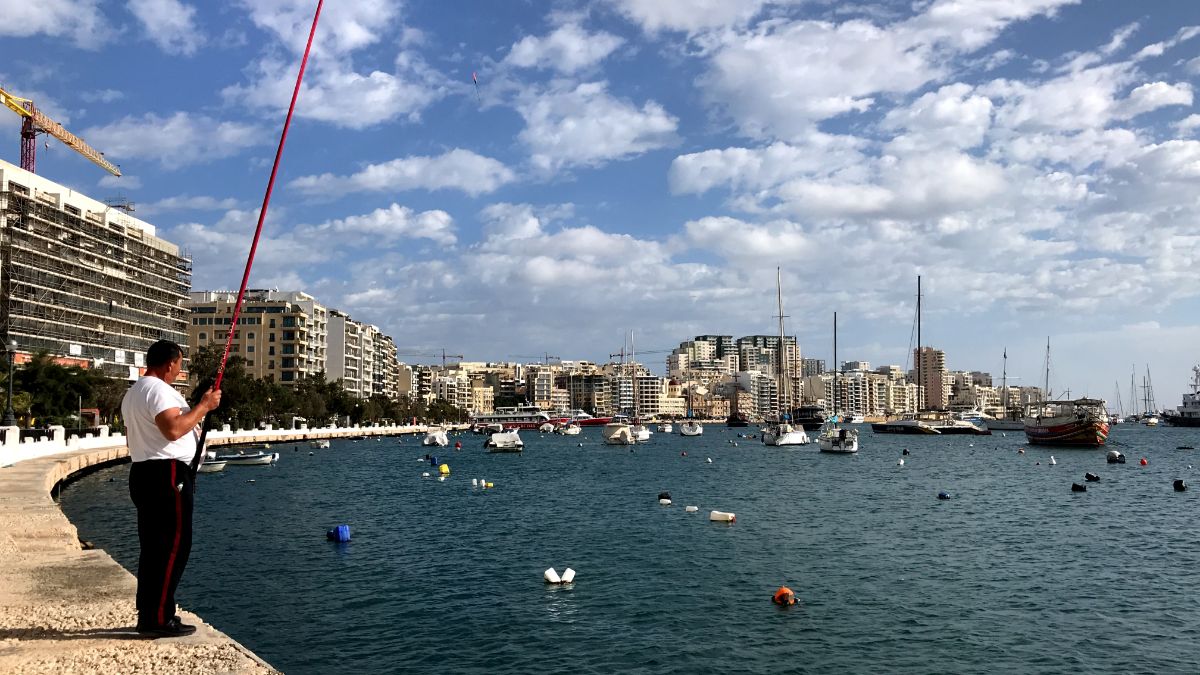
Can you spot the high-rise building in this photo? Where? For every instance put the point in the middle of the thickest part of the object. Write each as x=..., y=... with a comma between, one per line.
x=930, y=375
x=84, y=281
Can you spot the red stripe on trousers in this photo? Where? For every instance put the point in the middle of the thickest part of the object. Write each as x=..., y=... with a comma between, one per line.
x=162, y=603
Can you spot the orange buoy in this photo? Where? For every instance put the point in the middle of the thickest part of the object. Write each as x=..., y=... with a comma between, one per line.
x=1143, y=462
x=784, y=596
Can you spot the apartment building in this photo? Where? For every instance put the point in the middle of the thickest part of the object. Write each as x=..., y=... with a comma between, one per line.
x=83, y=280
x=280, y=335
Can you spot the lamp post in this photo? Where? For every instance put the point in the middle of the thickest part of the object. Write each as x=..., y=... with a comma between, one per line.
x=10, y=419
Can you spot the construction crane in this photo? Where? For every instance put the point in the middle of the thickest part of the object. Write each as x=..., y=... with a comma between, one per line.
x=544, y=356
x=442, y=354
x=33, y=122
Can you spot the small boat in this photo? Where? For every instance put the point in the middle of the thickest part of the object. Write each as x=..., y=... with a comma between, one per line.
x=211, y=466
x=811, y=417
x=1081, y=422
x=641, y=432
x=784, y=434
x=837, y=439
x=908, y=424
x=546, y=428
x=665, y=427
x=857, y=419
x=618, y=433
x=691, y=428
x=251, y=459
x=437, y=437
x=320, y=443
x=1151, y=421
x=505, y=441
x=571, y=429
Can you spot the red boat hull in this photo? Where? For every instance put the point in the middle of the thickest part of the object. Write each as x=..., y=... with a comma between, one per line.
x=1079, y=433
x=592, y=421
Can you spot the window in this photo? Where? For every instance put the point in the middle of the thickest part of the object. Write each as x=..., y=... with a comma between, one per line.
x=289, y=349
x=203, y=337
x=271, y=337
x=287, y=376
x=249, y=349
x=271, y=364
x=271, y=350
x=249, y=336
x=289, y=335
x=272, y=323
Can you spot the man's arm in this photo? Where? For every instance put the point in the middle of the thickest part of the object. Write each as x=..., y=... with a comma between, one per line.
x=175, y=424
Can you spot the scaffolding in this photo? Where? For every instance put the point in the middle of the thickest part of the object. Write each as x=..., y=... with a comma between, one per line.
x=78, y=283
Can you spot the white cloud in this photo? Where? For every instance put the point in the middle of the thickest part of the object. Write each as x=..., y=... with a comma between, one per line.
x=688, y=15
x=754, y=169
x=1187, y=125
x=102, y=96
x=335, y=93
x=124, y=181
x=188, y=203
x=384, y=226
x=344, y=27
x=1085, y=99
x=519, y=221
x=1155, y=95
x=585, y=126
x=457, y=169
x=777, y=79
x=179, y=140
x=568, y=49
x=953, y=116
x=80, y=21
x=170, y=24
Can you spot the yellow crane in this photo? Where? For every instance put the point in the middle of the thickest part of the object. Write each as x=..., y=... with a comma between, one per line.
x=33, y=122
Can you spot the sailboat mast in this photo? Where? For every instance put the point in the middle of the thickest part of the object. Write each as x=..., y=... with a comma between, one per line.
x=781, y=386
x=920, y=356
x=1004, y=384
x=836, y=397
x=1046, y=388
x=633, y=376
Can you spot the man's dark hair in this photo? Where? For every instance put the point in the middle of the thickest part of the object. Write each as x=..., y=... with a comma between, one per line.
x=161, y=353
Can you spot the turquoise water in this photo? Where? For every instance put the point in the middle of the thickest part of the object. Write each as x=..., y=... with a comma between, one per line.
x=1015, y=574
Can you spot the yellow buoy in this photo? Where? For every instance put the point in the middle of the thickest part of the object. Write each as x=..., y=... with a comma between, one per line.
x=489, y=485
x=444, y=469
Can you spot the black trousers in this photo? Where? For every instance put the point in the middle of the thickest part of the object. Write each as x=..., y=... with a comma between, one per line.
x=162, y=492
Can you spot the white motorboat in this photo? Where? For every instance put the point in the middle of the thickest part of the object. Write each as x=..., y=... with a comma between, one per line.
x=618, y=433
x=641, y=433
x=857, y=419
x=838, y=440
x=436, y=436
x=569, y=429
x=691, y=428
x=666, y=428
x=505, y=441
x=1151, y=421
x=546, y=428
x=320, y=443
x=211, y=466
x=251, y=459
x=784, y=434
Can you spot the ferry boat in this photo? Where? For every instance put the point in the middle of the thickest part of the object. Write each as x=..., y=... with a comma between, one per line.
x=519, y=417
x=1188, y=414
x=811, y=417
x=583, y=419
x=1081, y=422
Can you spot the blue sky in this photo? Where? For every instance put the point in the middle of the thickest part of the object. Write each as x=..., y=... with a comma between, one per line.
x=641, y=164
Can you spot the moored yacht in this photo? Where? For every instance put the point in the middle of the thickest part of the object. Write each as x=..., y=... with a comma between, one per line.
x=1081, y=422
x=1188, y=414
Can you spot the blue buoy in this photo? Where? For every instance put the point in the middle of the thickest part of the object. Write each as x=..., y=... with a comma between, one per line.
x=433, y=461
x=943, y=495
x=340, y=534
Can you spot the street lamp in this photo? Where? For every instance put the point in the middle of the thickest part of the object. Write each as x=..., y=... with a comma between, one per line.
x=10, y=419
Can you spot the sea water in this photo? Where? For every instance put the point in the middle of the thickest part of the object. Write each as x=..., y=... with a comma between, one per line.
x=1015, y=573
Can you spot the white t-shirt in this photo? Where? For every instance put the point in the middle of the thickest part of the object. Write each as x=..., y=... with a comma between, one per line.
x=148, y=397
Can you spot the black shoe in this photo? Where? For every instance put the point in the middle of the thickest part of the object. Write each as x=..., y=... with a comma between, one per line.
x=172, y=628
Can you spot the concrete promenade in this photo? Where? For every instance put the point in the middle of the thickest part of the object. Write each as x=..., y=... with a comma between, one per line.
x=66, y=609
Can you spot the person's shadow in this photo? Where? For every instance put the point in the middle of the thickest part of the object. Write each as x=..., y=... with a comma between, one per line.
x=122, y=633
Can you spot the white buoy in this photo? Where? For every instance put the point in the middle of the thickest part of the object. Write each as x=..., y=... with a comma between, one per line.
x=424, y=474
x=1052, y=460
x=474, y=482
x=568, y=575
x=581, y=445
x=900, y=462
x=441, y=478
x=709, y=460
x=691, y=509
x=665, y=502
x=722, y=517
x=551, y=576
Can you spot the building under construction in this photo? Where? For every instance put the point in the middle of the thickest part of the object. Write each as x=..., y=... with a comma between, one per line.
x=85, y=281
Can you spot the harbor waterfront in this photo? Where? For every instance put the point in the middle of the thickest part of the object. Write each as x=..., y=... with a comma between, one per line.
x=1015, y=573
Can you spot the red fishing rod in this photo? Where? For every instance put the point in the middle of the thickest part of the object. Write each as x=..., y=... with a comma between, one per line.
x=262, y=215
